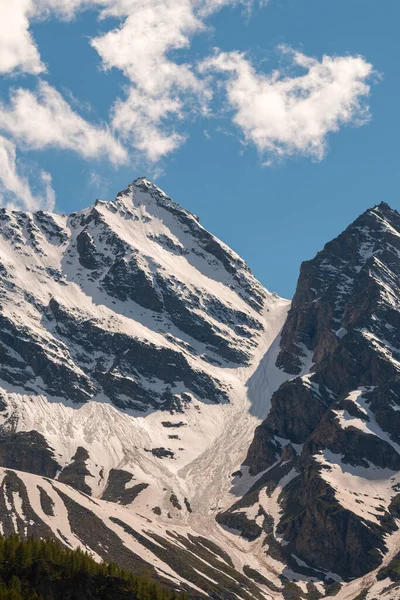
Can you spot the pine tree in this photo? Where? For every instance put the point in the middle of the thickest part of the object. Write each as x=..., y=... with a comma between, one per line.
x=73, y=569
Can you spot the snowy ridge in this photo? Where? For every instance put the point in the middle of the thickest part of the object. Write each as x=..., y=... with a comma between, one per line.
x=128, y=337
x=99, y=344
x=160, y=408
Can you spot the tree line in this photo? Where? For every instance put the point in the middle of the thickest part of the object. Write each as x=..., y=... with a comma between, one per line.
x=36, y=569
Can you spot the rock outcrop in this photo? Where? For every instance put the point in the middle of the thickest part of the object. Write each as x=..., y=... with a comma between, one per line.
x=339, y=408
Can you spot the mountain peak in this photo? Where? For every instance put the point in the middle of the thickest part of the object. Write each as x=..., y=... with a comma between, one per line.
x=383, y=211
x=141, y=179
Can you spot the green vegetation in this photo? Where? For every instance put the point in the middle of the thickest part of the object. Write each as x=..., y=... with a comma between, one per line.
x=332, y=589
x=44, y=570
x=392, y=570
x=362, y=595
x=312, y=592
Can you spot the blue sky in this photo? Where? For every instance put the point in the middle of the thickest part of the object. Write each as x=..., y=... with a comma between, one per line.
x=97, y=92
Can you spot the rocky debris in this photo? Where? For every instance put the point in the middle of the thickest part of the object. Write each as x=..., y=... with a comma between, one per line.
x=27, y=451
x=175, y=502
x=162, y=453
x=46, y=503
x=170, y=424
x=76, y=472
x=116, y=490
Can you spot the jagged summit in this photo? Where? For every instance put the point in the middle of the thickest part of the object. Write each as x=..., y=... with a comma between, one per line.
x=332, y=434
x=384, y=206
x=176, y=289
x=364, y=259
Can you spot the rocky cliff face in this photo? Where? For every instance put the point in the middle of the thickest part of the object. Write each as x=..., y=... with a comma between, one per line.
x=328, y=452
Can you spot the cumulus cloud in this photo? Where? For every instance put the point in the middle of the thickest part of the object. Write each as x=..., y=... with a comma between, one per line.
x=287, y=114
x=18, y=51
x=160, y=88
x=15, y=189
x=281, y=113
x=43, y=119
x=141, y=122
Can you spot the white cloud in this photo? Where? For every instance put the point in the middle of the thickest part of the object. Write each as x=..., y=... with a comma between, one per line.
x=285, y=114
x=162, y=91
x=281, y=113
x=160, y=88
x=140, y=121
x=43, y=119
x=15, y=190
x=18, y=50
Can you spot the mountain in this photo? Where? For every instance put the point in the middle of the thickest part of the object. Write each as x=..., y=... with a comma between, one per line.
x=325, y=462
x=127, y=336
x=159, y=408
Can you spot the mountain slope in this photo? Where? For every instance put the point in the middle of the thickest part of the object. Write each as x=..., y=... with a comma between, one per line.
x=328, y=452
x=41, y=569
x=127, y=336
x=141, y=364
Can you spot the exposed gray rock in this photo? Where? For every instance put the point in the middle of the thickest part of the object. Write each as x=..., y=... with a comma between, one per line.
x=116, y=490
x=27, y=451
x=344, y=326
x=126, y=279
x=76, y=472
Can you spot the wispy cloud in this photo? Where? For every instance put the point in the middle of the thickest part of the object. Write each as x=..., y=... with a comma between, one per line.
x=286, y=114
x=44, y=119
x=18, y=51
x=15, y=189
x=283, y=113
x=160, y=89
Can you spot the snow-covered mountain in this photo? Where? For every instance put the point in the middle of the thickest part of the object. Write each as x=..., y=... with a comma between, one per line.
x=128, y=334
x=158, y=409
